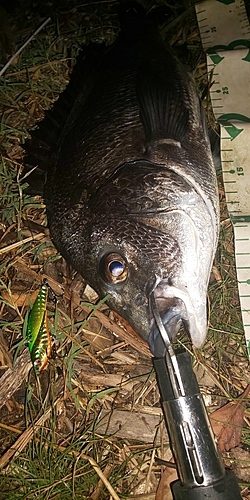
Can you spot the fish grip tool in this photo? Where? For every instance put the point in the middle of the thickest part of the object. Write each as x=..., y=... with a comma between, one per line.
x=199, y=465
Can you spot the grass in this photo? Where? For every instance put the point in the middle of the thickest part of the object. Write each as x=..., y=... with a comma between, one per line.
x=58, y=413
x=47, y=470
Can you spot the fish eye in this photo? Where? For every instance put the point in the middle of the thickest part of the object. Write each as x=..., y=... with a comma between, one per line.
x=114, y=268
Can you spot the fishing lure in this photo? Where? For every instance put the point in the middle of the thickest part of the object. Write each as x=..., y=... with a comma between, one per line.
x=38, y=335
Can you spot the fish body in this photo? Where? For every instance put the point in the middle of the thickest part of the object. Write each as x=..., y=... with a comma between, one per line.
x=38, y=335
x=131, y=194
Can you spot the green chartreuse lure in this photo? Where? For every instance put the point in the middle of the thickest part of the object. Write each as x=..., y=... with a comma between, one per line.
x=38, y=335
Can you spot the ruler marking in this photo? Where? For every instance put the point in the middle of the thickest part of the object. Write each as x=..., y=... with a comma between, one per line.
x=238, y=205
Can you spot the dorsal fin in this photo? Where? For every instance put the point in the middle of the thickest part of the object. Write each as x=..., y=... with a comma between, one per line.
x=162, y=109
x=131, y=16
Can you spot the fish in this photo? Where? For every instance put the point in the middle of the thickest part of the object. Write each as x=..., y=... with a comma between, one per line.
x=130, y=186
x=38, y=335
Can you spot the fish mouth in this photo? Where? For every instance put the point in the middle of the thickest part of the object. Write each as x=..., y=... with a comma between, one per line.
x=170, y=308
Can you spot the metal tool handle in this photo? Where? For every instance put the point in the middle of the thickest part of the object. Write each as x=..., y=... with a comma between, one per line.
x=202, y=474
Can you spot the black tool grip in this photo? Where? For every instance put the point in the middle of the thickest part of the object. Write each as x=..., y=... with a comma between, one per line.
x=226, y=489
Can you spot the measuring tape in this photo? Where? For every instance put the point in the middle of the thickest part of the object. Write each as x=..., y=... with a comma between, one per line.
x=225, y=35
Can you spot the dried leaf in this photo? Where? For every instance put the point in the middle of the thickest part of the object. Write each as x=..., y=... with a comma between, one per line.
x=19, y=299
x=129, y=329
x=164, y=490
x=239, y=461
x=5, y=356
x=227, y=423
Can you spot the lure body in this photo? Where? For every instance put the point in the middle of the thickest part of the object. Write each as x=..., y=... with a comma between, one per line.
x=38, y=335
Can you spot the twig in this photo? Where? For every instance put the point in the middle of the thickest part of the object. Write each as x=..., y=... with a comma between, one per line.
x=98, y=490
x=24, y=45
x=21, y=242
x=101, y=475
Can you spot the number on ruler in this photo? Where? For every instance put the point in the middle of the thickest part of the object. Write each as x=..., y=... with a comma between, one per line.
x=240, y=171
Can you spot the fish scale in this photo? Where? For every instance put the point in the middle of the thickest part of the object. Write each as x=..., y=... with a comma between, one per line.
x=130, y=186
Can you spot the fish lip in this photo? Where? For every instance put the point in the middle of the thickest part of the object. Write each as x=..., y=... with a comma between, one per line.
x=167, y=316
x=176, y=307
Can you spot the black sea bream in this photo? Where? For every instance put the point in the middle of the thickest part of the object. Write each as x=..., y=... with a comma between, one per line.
x=130, y=189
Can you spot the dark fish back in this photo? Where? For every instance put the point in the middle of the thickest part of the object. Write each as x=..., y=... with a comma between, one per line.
x=143, y=105
x=42, y=149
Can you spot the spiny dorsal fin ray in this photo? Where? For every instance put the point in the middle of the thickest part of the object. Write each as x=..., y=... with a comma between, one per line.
x=163, y=112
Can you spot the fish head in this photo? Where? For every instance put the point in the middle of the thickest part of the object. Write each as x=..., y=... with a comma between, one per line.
x=127, y=258
x=148, y=235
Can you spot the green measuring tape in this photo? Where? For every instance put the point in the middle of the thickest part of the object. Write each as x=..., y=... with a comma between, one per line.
x=225, y=35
